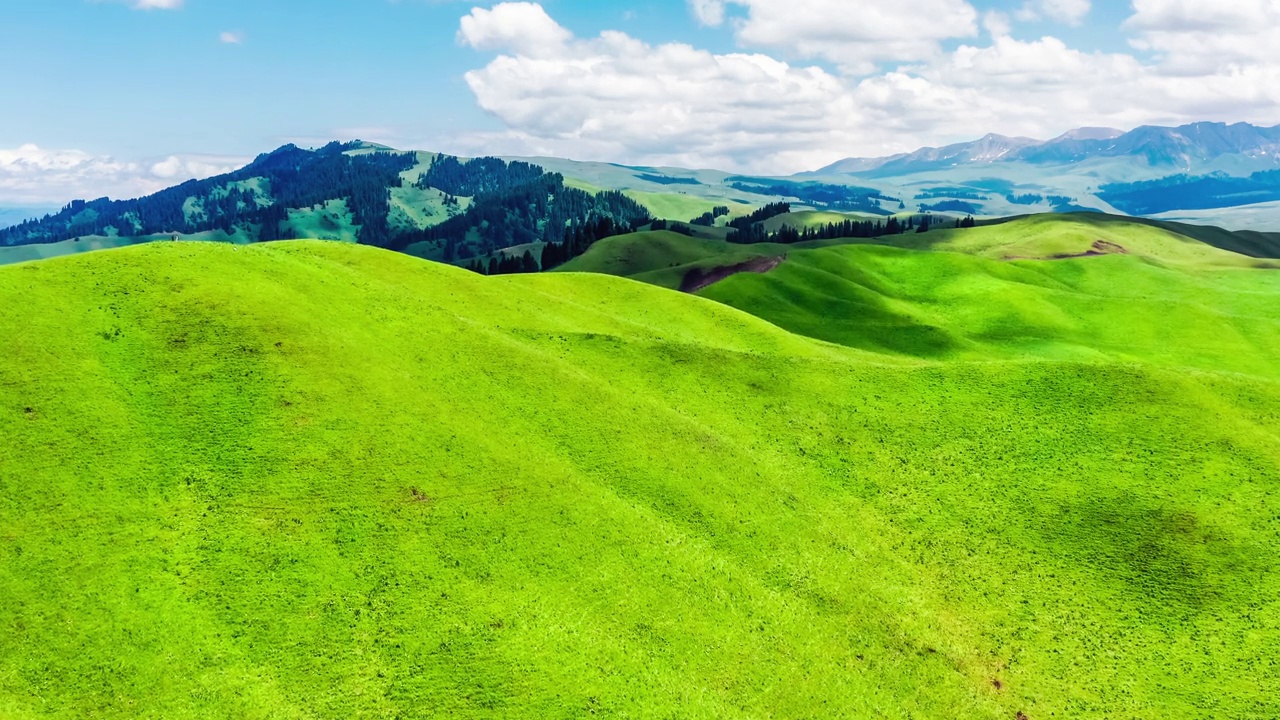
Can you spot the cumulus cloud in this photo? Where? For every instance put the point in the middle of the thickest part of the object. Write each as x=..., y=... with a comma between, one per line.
x=31, y=174
x=1195, y=38
x=621, y=96
x=520, y=27
x=855, y=38
x=617, y=98
x=996, y=23
x=231, y=37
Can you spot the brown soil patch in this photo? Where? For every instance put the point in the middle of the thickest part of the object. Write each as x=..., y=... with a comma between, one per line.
x=1097, y=249
x=697, y=278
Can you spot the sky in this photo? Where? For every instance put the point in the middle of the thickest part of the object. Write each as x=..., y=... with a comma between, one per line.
x=124, y=97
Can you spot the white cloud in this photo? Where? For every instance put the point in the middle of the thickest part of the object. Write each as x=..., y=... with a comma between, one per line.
x=231, y=37
x=1194, y=38
x=854, y=36
x=1071, y=12
x=31, y=174
x=521, y=27
x=996, y=23
x=708, y=12
x=618, y=96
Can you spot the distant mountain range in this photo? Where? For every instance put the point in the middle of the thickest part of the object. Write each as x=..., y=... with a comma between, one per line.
x=1183, y=148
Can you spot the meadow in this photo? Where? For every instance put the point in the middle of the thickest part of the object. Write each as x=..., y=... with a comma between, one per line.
x=306, y=479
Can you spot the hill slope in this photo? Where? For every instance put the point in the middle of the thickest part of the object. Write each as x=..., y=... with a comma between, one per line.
x=321, y=480
x=1119, y=287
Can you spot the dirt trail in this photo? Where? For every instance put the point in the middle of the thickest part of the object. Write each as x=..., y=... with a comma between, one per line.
x=697, y=278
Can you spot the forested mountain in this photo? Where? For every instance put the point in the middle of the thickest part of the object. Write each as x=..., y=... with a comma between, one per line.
x=434, y=205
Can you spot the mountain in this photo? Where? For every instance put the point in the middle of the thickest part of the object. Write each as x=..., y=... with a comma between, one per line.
x=428, y=204
x=990, y=149
x=1175, y=147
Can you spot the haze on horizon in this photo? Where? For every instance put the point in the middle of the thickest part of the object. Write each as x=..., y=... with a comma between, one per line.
x=166, y=90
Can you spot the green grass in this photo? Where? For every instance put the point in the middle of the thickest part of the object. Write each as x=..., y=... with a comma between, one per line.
x=657, y=253
x=957, y=306
x=663, y=258
x=330, y=221
x=804, y=219
x=310, y=479
x=680, y=207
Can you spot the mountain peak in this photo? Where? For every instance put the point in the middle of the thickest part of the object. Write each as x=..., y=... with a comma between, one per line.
x=1089, y=133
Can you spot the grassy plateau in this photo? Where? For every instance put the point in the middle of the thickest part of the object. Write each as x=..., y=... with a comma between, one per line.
x=320, y=480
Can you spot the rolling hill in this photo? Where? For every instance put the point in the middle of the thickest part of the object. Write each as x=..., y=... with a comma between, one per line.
x=306, y=479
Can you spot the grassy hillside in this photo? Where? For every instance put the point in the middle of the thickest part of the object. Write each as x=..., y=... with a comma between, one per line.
x=1048, y=286
x=318, y=480
x=952, y=305
x=636, y=253
x=662, y=259
x=813, y=218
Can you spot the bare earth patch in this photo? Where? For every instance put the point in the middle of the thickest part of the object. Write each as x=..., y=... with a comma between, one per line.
x=1099, y=248
x=697, y=278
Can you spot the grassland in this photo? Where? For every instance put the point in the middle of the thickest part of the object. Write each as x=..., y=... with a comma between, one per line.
x=805, y=219
x=681, y=207
x=318, y=480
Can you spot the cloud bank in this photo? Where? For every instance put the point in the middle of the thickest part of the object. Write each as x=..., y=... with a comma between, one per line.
x=815, y=81
x=36, y=176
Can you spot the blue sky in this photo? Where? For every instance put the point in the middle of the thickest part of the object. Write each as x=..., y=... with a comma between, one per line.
x=118, y=98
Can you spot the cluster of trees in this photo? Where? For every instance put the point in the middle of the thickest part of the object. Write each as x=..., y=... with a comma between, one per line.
x=1024, y=199
x=680, y=228
x=481, y=176
x=1060, y=203
x=580, y=236
x=668, y=180
x=955, y=206
x=834, y=231
x=708, y=219
x=502, y=264
x=966, y=222
x=955, y=193
x=771, y=210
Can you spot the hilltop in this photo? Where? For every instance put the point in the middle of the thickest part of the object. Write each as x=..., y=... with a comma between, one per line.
x=304, y=479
